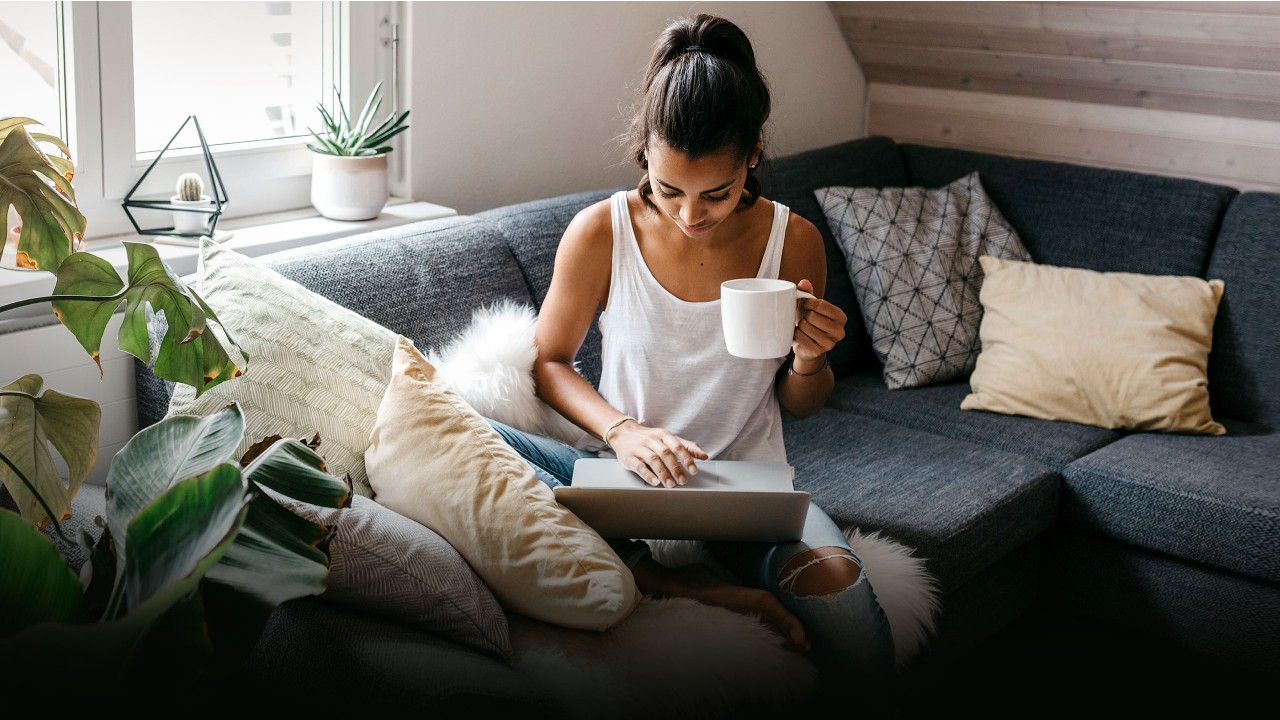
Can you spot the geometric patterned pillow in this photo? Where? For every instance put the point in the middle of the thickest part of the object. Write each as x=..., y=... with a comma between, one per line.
x=912, y=255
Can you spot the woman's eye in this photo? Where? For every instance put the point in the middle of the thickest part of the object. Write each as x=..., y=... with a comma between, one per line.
x=718, y=198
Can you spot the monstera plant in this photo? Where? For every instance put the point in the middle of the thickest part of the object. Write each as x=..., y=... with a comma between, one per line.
x=193, y=552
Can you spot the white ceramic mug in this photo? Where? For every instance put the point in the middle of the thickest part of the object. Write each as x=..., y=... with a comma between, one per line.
x=759, y=316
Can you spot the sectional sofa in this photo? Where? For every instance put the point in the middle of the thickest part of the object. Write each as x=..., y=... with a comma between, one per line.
x=1173, y=536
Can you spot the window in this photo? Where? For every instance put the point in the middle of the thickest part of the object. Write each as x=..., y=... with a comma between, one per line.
x=279, y=70
x=117, y=80
x=31, y=62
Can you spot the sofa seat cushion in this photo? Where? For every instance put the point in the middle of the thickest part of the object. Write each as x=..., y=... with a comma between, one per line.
x=936, y=409
x=962, y=506
x=1217, y=614
x=317, y=656
x=1095, y=218
x=1211, y=500
x=792, y=180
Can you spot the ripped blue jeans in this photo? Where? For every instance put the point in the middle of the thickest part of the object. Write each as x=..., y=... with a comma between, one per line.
x=848, y=631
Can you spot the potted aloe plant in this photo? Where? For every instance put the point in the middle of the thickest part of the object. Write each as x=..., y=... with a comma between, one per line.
x=192, y=555
x=349, y=160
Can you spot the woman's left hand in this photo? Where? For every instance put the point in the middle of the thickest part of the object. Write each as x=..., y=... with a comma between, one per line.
x=821, y=326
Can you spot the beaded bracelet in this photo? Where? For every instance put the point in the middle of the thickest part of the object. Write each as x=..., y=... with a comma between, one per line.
x=791, y=367
x=610, y=429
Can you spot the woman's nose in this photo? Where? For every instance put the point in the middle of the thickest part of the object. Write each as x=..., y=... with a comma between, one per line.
x=691, y=214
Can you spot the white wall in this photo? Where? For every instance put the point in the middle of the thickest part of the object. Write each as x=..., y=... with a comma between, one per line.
x=515, y=101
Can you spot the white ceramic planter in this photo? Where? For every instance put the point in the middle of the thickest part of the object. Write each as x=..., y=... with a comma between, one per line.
x=349, y=188
x=191, y=223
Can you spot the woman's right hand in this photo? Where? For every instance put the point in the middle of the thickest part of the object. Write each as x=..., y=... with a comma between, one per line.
x=661, y=458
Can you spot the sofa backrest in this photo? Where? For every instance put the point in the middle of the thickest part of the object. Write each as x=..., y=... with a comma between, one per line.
x=1244, y=365
x=533, y=230
x=1087, y=217
x=422, y=280
x=792, y=180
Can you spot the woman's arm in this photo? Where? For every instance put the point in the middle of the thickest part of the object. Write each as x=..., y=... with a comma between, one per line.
x=579, y=286
x=806, y=381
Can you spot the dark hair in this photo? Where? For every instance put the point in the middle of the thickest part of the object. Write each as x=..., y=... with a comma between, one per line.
x=702, y=94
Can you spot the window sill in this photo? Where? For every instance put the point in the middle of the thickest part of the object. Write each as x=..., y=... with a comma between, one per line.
x=252, y=236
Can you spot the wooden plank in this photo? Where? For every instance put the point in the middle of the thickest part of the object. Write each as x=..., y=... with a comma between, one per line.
x=1079, y=17
x=1263, y=134
x=1208, y=104
x=1245, y=8
x=1180, y=156
x=1245, y=56
x=1232, y=82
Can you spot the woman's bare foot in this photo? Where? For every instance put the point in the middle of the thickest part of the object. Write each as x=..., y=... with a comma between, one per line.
x=699, y=582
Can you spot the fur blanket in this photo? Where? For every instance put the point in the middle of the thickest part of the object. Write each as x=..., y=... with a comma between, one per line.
x=722, y=657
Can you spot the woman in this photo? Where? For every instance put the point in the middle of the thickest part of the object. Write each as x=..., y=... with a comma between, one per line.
x=670, y=394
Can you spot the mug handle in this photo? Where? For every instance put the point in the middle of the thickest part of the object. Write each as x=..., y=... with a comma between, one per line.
x=800, y=295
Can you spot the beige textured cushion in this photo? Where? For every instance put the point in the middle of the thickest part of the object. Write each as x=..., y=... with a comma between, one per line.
x=1115, y=350
x=433, y=458
x=314, y=366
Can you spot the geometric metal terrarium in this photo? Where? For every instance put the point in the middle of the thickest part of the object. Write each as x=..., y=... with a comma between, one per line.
x=218, y=193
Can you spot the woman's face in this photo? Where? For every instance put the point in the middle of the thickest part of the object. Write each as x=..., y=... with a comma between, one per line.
x=697, y=195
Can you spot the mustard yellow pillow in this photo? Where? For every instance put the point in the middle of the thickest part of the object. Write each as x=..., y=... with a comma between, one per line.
x=433, y=458
x=1115, y=350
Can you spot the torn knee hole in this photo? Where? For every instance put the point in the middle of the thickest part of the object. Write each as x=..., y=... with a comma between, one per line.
x=801, y=581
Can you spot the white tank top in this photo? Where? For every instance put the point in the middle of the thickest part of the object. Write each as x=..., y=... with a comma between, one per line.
x=664, y=359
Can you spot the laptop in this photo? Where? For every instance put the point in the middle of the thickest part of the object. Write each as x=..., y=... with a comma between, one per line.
x=727, y=500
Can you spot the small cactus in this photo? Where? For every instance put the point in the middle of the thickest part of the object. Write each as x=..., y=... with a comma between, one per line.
x=190, y=187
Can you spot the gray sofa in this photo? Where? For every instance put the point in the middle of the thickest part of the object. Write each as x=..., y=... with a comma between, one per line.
x=1172, y=536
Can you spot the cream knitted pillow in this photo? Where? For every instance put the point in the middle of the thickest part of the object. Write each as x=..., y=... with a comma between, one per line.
x=314, y=366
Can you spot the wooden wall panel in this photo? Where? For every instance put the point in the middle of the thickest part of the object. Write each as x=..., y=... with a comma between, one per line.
x=1190, y=89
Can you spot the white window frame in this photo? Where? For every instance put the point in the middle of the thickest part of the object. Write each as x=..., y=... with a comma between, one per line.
x=271, y=177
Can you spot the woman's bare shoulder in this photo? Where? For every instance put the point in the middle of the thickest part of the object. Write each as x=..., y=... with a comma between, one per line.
x=587, y=242
x=592, y=223
x=803, y=254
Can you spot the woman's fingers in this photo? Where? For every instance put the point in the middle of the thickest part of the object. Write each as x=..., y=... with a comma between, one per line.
x=667, y=460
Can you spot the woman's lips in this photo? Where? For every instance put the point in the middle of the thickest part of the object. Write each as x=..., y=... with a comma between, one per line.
x=697, y=229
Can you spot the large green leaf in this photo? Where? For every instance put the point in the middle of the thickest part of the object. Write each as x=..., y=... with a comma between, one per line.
x=188, y=352
x=29, y=423
x=176, y=540
x=35, y=583
x=280, y=556
x=293, y=468
x=41, y=193
x=87, y=274
x=174, y=536
x=162, y=454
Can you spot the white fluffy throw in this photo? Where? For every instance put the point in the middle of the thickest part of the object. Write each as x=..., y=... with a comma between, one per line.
x=710, y=655
x=490, y=366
